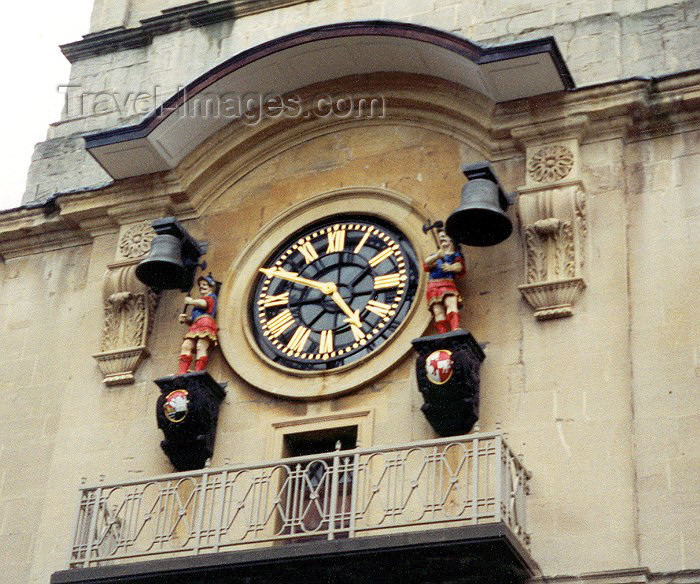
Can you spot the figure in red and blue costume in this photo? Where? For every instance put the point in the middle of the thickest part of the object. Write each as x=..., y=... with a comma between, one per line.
x=203, y=330
x=444, y=267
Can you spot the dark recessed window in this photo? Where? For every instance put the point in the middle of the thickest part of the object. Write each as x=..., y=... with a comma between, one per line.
x=307, y=514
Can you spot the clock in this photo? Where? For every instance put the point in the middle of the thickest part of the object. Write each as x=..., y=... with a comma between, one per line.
x=326, y=296
x=333, y=293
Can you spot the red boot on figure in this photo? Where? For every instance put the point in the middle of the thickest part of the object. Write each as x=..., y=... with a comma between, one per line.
x=184, y=364
x=453, y=319
x=201, y=364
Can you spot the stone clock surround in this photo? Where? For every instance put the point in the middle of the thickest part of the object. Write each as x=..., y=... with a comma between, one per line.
x=236, y=337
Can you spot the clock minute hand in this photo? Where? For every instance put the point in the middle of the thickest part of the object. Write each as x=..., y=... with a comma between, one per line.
x=353, y=317
x=328, y=288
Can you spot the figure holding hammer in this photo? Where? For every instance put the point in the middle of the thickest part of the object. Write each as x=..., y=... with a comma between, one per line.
x=444, y=267
x=202, y=332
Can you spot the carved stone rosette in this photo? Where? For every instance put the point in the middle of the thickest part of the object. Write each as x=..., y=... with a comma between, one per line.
x=554, y=229
x=129, y=309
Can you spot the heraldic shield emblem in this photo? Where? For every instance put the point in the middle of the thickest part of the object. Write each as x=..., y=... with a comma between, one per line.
x=447, y=371
x=438, y=366
x=175, y=406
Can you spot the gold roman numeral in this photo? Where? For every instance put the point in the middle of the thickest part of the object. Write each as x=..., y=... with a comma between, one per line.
x=379, y=308
x=299, y=338
x=276, y=300
x=336, y=241
x=280, y=323
x=360, y=245
x=308, y=252
x=380, y=257
x=326, y=345
x=388, y=281
x=357, y=332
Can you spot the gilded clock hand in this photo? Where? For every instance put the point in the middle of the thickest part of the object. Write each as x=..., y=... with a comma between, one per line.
x=328, y=288
x=325, y=287
x=353, y=317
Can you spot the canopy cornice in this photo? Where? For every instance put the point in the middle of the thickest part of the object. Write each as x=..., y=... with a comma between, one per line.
x=286, y=64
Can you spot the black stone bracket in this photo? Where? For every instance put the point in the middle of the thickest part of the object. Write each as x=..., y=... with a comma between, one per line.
x=451, y=407
x=190, y=434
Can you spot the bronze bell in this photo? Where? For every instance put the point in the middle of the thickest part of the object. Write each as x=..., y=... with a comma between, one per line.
x=480, y=219
x=173, y=257
x=163, y=268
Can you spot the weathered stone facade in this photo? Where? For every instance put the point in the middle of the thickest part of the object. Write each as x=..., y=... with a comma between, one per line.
x=600, y=396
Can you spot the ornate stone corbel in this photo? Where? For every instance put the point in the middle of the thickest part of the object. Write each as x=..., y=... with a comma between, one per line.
x=552, y=208
x=129, y=309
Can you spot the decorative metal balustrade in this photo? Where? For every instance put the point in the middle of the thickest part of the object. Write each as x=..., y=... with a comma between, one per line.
x=472, y=479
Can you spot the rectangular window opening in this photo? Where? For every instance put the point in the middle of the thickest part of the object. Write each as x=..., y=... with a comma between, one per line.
x=319, y=441
x=314, y=509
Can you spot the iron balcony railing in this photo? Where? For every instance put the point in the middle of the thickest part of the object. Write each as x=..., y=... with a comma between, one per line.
x=464, y=480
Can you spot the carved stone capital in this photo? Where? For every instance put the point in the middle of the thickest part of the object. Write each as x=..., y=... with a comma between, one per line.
x=554, y=220
x=118, y=366
x=129, y=309
x=552, y=299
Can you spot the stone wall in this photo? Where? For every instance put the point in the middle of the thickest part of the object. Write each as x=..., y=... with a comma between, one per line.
x=43, y=338
x=664, y=272
x=603, y=404
x=600, y=404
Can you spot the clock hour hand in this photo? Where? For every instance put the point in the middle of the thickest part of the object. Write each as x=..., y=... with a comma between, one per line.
x=353, y=317
x=325, y=287
x=328, y=288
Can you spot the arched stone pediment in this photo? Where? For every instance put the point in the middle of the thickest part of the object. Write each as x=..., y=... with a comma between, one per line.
x=320, y=55
x=431, y=107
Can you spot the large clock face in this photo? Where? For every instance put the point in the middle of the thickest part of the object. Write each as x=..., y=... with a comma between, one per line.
x=333, y=293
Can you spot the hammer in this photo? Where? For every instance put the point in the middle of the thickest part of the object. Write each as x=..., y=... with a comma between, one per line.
x=432, y=228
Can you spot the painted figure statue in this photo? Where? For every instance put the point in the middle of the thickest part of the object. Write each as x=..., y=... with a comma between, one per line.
x=444, y=267
x=203, y=330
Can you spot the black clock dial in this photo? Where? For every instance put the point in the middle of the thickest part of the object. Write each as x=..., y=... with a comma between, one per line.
x=333, y=293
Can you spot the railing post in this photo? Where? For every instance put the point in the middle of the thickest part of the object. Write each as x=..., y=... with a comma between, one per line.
x=522, y=492
x=199, y=517
x=222, y=508
x=475, y=480
x=432, y=498
x=498, y=482
x=354, y=492
x=134, y=513
x=394, y=499
x=165, y=529
x=93, y=525
x=334, y=492
x=81, y=517
x=297, y=500
x=256, y=503
x=508, y=494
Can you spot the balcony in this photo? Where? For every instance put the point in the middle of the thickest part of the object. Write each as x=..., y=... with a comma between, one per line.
x=438, y=510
